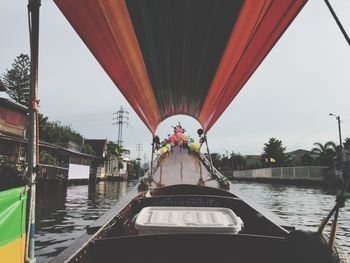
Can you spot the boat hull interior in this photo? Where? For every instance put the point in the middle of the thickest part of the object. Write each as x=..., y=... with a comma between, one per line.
x=264, y=238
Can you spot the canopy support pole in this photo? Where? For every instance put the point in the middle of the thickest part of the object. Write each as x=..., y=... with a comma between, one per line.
x=209, y=156
x=340, y=201
x=338, y=22
x=152, y=156
x=33, y=131
x=155, y=146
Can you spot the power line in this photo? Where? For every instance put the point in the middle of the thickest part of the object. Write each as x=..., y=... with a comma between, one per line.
x=121, y=119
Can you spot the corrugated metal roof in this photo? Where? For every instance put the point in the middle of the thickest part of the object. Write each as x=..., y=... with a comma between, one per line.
x=13, y=103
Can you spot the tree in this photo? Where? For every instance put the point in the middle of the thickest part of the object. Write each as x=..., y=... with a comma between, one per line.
x=47, y=158
x=86, y=148
x=225, y=163
x=113, y=149
x=347, y=156
x=17, y=79
x=346, y=143
x=216, y=158
x=55, y=132
x=274, y=153
x=238, y=161
x=325, y=153
x=137, y=168
x=347, y=149
x=10, y=174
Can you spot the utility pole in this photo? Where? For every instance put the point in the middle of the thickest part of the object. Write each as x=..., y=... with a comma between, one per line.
x=139, y=149
x=339, y=132
x=145, y=161
x=121, y=119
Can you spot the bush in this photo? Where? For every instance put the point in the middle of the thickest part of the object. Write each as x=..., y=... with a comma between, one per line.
x=8, y=167
x=47, y=158
x=10, y=174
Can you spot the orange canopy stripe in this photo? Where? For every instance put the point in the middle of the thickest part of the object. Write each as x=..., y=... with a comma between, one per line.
x=240, y=60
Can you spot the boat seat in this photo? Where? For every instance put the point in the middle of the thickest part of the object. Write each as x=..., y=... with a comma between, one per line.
x=187, y=200
x=189, y=248
x=254, y=222
x=189, y=189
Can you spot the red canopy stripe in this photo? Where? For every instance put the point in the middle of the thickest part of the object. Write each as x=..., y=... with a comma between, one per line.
x=105, y=27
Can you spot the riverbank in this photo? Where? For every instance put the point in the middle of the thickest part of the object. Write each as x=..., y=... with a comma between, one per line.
x=294, y=182
x=299, y=175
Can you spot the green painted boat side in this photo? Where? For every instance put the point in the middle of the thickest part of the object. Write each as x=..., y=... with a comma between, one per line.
x=13, y=203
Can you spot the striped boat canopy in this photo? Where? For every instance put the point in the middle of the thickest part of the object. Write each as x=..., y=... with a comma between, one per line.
x=171, y=57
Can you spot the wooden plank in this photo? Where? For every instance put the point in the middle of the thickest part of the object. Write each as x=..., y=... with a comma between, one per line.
x=190, y=248
x=180, y=166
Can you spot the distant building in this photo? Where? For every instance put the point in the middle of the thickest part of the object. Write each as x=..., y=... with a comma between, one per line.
x=13, y=118
x=127, y=168
x=112, y=166
x=70, y=145
x=109, y=166
x=98, y=165
x=302, y=157
x=71, y=165
x=118, y=166
x=253, y=161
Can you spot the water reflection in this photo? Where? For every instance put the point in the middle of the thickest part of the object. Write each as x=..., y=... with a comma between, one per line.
x=301, y=207
x=64, y=213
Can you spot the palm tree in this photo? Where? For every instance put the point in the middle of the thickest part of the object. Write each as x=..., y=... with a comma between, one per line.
x=325, y=153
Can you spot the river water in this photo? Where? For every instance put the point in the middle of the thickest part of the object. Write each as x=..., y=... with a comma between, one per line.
x=63, y=214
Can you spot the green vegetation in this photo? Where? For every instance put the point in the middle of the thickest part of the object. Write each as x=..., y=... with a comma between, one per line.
x=8, y=167
x=346, y=143
x=224, y=162
x=274, y=153
x=216, y=158
x=137, y=168
x=11, y=174
x=57, y=133
x=113, y=149
x=17, y=79
x=86, y=148
x=47, y=158
x=326, y=153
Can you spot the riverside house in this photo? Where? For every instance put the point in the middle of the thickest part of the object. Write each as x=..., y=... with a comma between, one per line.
x=12, y=127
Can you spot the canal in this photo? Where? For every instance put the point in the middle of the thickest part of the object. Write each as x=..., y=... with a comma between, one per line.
x=63, y=214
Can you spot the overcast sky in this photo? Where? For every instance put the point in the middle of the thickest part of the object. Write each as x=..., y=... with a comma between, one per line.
x=305, y=77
